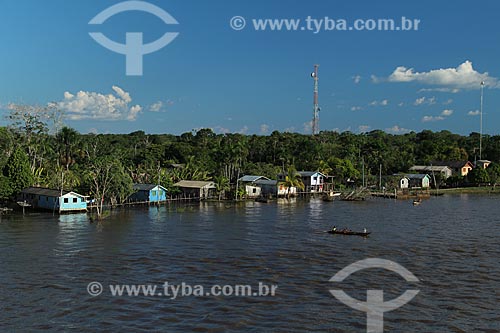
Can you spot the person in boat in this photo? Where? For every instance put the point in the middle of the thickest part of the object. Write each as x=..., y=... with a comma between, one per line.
x=334, y=228
x=364, y=230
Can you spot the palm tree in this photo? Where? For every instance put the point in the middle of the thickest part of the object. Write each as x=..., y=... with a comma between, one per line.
x=221, y=185
x=67, y=139
x=292, y=179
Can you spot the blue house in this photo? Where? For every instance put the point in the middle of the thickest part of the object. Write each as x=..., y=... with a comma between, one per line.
x=148, y=193
x=54, y=200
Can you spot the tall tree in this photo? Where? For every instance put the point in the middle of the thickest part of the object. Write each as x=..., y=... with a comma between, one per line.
x=292, y=179
x=18, y=171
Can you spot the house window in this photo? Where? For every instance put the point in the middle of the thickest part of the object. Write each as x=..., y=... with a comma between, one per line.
x=254, y=190
x=66, y=200
x=153, y=193
x=315, y=178
x=75, y=200
x=160, y=193
x=46, y=198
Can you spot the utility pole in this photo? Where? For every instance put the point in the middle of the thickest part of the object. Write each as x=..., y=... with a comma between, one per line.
x=363, y=164
x=481, y=123
x=380, y=178
x=316, y=109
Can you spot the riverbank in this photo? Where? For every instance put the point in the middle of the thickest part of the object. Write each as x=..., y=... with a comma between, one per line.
x=468, y=190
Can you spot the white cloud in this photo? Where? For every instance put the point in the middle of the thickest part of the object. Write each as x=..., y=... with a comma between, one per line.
x=447, y=113
x=383, y=102
x=427, y=119
x=92, y=105
x=464, y=76
x=397, y=130
x=474, y=113
x=425, y=100
x=364, y=128
x=308, y=127
x=448, y=90
x=448, y=102
x=401, y=104
x=356, y=108
x=220, y=130
x=264, y=129
x=356, y=79
x=244, y=130
x=156, y=107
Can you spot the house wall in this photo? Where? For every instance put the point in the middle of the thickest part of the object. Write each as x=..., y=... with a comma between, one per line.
x=46, y=202
x=314, y=183
x=317, y=179
x=283, y=190
x=157, y=194
x=252, y=191
x=72, y=203
x=465, y=170
x=425, y=182
x=403, y=183
x=140, y=196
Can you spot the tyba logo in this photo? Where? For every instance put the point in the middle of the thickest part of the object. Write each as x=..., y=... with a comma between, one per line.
x=134, y=49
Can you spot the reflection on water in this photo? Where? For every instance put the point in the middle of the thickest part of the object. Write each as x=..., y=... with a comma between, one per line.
x=449, y=243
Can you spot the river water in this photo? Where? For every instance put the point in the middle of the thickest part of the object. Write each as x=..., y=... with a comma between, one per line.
x=449, y=243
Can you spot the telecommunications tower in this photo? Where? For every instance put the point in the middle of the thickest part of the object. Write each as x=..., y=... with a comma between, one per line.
x=316, y=109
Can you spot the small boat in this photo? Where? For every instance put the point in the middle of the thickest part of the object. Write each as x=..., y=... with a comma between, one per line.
x=349, y=233
x=417, y=202
x=330, y=196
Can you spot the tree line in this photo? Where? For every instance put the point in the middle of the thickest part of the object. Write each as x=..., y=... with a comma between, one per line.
x=105, y=166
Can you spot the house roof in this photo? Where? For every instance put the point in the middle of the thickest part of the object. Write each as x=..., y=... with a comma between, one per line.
x=483, y=161
x=48, y=192
x=439, y=168
x=417, y=176
x=305, y=173
x=309, y=173
x=194, y=184
x=268, y=182
x=146, y=187
x=251, y=179
x=452, y=164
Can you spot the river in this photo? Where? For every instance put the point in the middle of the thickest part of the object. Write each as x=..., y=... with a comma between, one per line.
x=449, y=243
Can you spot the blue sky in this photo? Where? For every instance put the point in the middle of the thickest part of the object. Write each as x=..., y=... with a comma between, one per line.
x=252, y=81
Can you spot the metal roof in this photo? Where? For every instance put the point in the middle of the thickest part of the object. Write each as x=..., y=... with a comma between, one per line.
x=251, y=179
x=452, y=164
x=430, y=168
x=194, y=184
x=146, y=187
x=417, y=176
x=48, y=192
x=266, y=182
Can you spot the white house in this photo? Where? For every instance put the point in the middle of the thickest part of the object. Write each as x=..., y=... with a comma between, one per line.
x=415, y=181
x=314, y=181
x=252, y=190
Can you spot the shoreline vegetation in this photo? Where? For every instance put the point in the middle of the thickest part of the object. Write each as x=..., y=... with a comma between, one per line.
x=39, y=151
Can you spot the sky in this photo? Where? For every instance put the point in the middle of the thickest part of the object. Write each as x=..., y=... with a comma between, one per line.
x=253, y=81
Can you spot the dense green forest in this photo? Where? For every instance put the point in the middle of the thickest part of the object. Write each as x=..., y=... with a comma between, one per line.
x=105, y=166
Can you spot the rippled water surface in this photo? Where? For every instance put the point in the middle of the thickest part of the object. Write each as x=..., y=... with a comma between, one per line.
x=450, y=243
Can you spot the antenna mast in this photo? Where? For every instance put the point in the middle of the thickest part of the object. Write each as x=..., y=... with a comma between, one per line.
x=316, y=109
x=481, y=123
